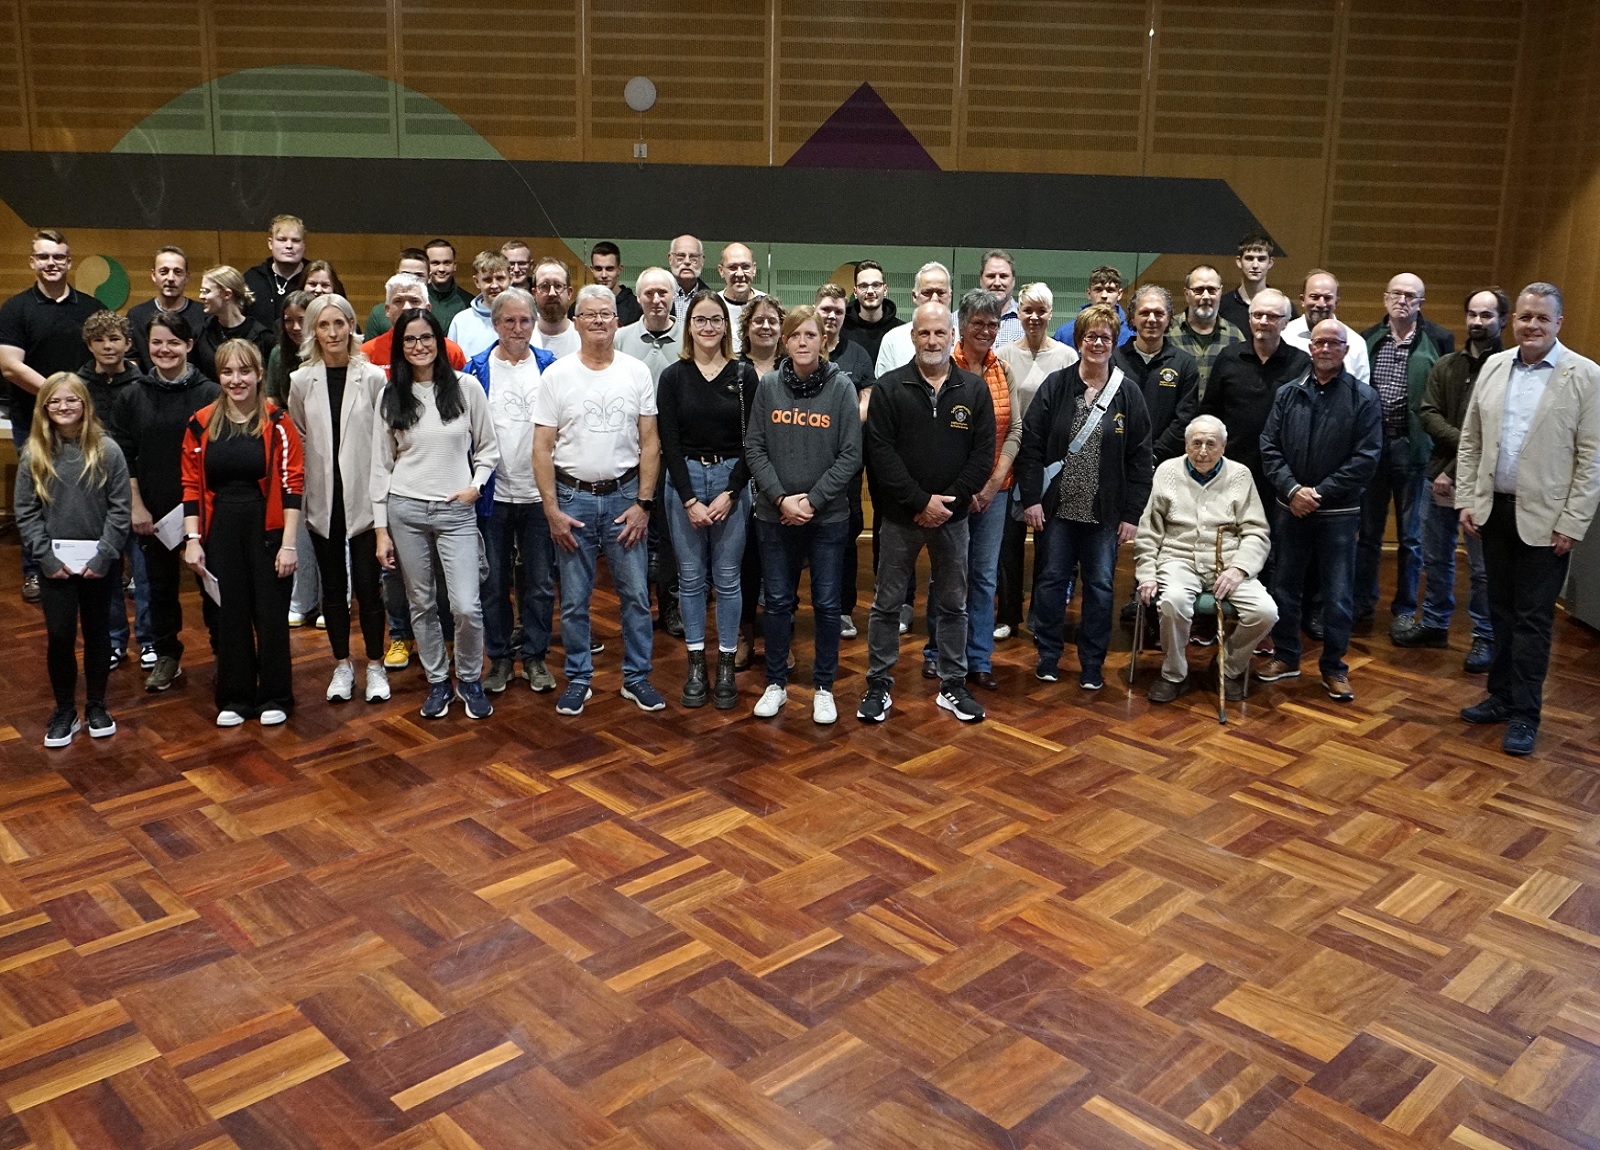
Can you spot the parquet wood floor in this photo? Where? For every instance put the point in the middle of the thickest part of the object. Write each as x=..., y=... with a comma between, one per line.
x=1085, y=923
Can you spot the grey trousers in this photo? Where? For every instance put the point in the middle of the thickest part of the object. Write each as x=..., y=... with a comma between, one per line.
x=443, y=536
x=897, y=565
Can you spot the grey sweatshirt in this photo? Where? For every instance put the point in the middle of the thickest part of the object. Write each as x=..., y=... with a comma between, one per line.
x=804, y=446
x=76, y=511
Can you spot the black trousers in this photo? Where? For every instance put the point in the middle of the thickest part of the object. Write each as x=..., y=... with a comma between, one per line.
x=1009, y=583
x=365, y=580
x=1524, y=582
x=849, y=588
x=253, y=668
x=164, y=569
x=66, y=602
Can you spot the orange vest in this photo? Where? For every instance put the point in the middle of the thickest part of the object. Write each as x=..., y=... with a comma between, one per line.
x=994, y=374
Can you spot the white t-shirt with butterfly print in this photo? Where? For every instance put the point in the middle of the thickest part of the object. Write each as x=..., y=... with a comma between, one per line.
x=595, y=414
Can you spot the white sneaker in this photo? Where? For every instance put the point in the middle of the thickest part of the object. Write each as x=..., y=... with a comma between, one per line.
x=343, y=683
x=822, y=708
x=230, y=719
x=906, y=613
x=377, y=682
x=847, y=627
x=771, y=701
x=272, y=717
x=1002, y=632
x=297, y=619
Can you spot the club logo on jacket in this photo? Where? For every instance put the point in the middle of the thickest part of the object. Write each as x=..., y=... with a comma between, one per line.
x=1117, y=424
x=1167, y=377
x=961, y=417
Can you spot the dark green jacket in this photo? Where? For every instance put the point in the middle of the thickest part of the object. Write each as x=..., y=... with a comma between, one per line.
x=1424, y=354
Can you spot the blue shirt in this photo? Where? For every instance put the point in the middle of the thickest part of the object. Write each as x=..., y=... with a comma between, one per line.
x=1523, y=391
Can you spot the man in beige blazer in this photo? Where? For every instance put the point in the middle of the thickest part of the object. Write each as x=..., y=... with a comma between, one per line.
x=1527, y=482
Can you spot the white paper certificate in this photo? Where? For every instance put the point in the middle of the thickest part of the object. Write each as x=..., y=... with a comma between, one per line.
x=169, y=528
x=75, y=554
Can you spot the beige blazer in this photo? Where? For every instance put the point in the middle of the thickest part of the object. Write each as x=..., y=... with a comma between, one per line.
x=308, y=407
x=1558, y=474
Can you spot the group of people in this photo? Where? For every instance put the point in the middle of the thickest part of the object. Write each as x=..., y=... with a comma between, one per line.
x=461, y=460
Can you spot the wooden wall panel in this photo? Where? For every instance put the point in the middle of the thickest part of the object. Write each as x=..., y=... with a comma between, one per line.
x=908, y=50
x=1423, y=130
x=1054, y=86
x=709, y=64
x=1228, y=81
x=13, y=91
x=351, y=34
x=1553, y=181
x=509, y=68
x=95, y=69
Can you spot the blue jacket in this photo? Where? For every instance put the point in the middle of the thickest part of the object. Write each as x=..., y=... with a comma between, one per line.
x=1332, y=441
x=478, y=366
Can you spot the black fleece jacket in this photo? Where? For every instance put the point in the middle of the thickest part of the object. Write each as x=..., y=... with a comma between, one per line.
x=920, y=443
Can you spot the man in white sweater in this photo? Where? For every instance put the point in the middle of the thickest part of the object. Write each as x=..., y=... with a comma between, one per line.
x=1193, y=497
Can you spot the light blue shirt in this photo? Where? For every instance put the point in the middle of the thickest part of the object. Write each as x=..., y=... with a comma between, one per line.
x=1523, y=391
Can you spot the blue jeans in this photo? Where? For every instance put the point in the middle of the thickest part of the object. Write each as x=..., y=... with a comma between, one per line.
x=784, y=552
x=519, y=527
x=1091, y=549
x=1332, y=539
x=630, y=574
x=143, y=631
x=1401, y=481
x=716, y=551
x=1440, y=528
x=985, y=530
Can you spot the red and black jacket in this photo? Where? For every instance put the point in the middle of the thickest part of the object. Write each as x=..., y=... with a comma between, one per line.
x=285, y=480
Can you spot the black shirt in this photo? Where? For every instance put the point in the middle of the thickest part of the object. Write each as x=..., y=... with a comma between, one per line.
x=50, y=334
x=704, y=417
x=140, y=315
x=1241, y=392
x=235, y=463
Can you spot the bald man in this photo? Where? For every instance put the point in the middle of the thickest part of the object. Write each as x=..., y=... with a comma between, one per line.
x=737, y=267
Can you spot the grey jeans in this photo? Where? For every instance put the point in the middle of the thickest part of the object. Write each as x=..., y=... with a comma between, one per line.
x=429, y=535
x=897, y=565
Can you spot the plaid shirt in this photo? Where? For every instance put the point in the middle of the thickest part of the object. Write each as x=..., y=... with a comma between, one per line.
x=1204, y=348
x=1389, y=361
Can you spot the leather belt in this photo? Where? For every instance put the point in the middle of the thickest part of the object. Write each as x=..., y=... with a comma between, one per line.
x=603, y=487
x=708, y=460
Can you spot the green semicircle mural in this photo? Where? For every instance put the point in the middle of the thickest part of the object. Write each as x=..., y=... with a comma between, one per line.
x=306, y=111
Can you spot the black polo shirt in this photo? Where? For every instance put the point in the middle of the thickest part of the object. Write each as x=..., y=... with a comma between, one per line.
x=50, y=334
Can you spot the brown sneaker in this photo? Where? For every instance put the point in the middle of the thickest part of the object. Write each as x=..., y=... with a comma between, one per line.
x=1277, y=669
x=1338, y=687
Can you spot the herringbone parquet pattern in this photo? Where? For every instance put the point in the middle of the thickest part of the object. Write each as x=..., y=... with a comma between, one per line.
x=1085, y=923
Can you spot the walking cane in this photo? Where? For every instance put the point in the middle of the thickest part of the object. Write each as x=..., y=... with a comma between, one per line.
x=1222, y=634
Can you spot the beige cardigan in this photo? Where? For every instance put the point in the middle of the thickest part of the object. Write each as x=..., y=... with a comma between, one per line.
x=1179, y=524
x=308, y=407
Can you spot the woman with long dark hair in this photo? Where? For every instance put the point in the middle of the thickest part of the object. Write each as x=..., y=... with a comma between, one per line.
x=333, y=401
x=242, y=482
x=434, y=450
x=703, y=401
x=72, y=487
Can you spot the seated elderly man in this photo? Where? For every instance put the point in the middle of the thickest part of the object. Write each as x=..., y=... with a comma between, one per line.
x=1195, y=496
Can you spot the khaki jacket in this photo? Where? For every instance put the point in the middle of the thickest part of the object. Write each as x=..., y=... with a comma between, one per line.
x=1558, y=474
x=1180, y=523
x=308, y=407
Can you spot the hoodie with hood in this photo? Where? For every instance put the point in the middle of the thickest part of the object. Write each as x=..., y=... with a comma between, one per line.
x=152, y=414
x=869, y=333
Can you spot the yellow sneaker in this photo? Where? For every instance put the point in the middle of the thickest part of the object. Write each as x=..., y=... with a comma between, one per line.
x=398, y=656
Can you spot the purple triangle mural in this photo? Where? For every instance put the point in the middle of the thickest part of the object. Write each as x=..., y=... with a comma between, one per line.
x=863, y=132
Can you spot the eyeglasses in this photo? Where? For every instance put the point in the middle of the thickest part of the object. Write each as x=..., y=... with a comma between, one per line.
x=1407, y=296
x=1205, y=290
x=417, y=340
x=602, y=316
x=1327, y=343
x=1264, y=316
x=52, y=258
x=64, y=402
x=1097, y=337
x=707, y=320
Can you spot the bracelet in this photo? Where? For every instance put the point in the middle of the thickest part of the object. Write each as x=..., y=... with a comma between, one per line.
x=288, y=549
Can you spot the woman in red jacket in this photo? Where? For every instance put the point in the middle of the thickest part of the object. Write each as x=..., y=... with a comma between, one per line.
x=242, y=481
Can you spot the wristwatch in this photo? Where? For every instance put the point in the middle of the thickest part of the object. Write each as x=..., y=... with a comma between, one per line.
x=193, y=535
x=648, y=504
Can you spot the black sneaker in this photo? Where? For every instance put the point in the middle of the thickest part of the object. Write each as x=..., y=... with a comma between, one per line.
x=63, y=725
x=955, y=698
x=117, y=656
x=437, y=704
x=875, y=706
x=1047, y=672
x=1091, y=680
x=1408, y=632
x=1480, y=658
x=1487, y=712
x=101, y=725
